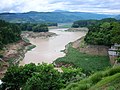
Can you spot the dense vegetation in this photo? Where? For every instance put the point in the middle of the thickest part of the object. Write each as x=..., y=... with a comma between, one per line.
x=9, y=33
x=33, y=27
x=83, y=23
x=45, y=77
x=106, y=33
x=101, y=32
x=58, y=17
x=40, y=77
x=103, y=80
x=89, y=63
x=88, y=23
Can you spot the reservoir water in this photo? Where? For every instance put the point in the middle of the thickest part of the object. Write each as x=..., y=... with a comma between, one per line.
x=49, y=49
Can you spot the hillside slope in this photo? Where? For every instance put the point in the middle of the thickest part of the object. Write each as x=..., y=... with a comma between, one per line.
x=59, y=17
x=104, y=80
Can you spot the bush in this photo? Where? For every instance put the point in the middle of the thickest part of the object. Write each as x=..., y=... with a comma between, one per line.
x=32, y=77
x=71, y=75
x=1, y=56
x=100, y=79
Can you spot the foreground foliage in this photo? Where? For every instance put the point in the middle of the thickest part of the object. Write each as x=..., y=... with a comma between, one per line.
x=103, y=80
x=39, y=77
x=35, y=27
x=43, y=77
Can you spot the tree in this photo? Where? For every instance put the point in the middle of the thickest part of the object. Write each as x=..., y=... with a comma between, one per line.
x=71, y=75
x=40, y=28
x=9, y=33
x=47, y=79
x=115, y=33
x=32, y=77
x=16, y=76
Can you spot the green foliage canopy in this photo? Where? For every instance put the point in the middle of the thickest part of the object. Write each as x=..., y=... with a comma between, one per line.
x=32, y=77
x=9, y=33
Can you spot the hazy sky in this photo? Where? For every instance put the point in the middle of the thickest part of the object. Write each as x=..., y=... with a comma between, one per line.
x=97, y=6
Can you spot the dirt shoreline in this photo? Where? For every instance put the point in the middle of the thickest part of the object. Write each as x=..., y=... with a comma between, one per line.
x=100, y=50
x=13, y=54
x=30, y=34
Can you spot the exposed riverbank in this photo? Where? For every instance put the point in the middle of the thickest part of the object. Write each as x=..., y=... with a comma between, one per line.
x=13, y=54
x=30, y=34
x=81, y=46
x=90, y=49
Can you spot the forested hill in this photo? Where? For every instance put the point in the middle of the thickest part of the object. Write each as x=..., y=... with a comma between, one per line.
x=9, y=33
x=58, y=17
x=118, y=17
x=101, y=32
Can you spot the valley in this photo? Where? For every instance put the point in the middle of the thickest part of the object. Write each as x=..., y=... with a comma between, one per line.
x=59, y=51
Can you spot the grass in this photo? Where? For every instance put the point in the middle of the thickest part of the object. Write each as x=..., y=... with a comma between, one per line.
x=107, y=80
x=65, y=25
x=30, y=47
x=26, y=40
x=89, y=63
x=82, y=43
x=103, y=80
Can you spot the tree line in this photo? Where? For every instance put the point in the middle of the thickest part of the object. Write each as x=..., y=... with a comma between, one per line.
x=33, y=27
x=101, y=32
x=9, y=33
x=87, y=23
x=36, y=27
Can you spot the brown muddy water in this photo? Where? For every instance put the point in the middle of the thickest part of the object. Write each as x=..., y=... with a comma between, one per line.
x=49, y=49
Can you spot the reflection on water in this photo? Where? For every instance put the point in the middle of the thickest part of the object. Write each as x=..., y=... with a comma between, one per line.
x=47, y=50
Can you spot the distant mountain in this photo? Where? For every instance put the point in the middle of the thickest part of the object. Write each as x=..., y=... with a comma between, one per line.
x=58, y=16
x=118, y=17
x=60, y=11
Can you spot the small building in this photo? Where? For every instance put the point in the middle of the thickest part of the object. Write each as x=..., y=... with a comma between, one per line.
x=113, y=53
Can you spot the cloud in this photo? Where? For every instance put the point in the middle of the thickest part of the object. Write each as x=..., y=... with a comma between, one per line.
x=95, y=6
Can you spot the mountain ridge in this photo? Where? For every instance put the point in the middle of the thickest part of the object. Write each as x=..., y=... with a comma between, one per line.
x=58, y=17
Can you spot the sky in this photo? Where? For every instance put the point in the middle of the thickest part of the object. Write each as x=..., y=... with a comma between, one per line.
x=93, y=6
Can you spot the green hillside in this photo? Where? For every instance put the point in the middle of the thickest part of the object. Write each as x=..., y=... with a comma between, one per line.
x=104, y=80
